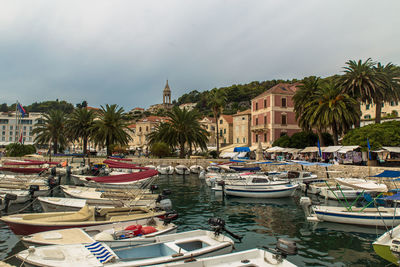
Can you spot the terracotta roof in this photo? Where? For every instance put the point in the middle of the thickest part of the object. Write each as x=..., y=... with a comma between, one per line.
x=153, y=119
x=281, y=88
x=138, y=109
x=92, y=108
x=228, y=118
x=132, y=126
x=245, y=112
x=210, y=119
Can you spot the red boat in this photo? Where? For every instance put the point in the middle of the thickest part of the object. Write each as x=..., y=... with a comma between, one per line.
x=22, y=170
x=125, y=178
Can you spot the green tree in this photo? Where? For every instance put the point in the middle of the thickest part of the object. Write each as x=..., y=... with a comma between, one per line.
x=160, y=149
x=19, y=150
x=332, y=109
x=217, y=101
x=51, y=129
x=80, y=125
x=111, y=128
x=4, y=107
x=182, y=127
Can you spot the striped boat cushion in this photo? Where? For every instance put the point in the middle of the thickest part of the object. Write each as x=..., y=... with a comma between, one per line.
x=100, y=252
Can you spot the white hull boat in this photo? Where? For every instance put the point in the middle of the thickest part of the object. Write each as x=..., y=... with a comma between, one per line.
x=165, y=169
x=346, y=192
x=52, y=204
x=142, y=232
x=166, y=249
x=252, y=257
x=182, y=169
x=387, y=245
x=381, y=216
x=275, y=191
x=196, y=169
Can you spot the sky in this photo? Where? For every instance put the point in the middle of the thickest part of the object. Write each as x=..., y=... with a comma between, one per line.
x=123, y=51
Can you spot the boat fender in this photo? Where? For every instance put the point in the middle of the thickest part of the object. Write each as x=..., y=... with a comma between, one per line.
x=104, y=236
x=136, y=229
x=148, y=230
x=286, y=247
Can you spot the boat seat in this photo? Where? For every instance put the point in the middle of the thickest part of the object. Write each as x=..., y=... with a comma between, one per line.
x=84, y=214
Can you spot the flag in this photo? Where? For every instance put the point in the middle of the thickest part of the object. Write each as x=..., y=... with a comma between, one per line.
x=20, y=139
x=369, y=149
x=319, y=149
x=21, y=109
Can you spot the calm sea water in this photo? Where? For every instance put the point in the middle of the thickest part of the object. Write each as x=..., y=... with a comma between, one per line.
x=260, y=222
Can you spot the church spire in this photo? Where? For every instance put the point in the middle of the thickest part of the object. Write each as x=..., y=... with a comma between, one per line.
x=167, y=95
x=167, y=87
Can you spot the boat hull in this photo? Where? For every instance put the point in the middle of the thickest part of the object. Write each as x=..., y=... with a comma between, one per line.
x=384, y=252
x=270, y=192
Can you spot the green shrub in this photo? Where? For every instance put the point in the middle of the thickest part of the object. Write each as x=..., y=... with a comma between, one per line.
x=160, y=149
x=19, y=150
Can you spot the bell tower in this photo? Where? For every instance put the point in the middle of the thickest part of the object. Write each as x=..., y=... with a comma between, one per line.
x=167, y=95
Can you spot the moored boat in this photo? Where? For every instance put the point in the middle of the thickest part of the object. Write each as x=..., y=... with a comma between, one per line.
x=274, y=191
x=182, y=169
x=165, y=169
x=387, y=245
x=196, y=168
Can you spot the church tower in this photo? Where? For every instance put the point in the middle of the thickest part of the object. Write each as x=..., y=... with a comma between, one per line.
x=167, y=95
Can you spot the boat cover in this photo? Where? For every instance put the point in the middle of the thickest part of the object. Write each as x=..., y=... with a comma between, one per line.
x=237, y=168
x=394, y=197
x=121, y=159
x=363, y=185
x=123, y=178
x=23, y=170
x=388, y=174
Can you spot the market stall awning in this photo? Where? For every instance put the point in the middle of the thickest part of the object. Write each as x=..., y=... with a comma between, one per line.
x=310, y=149
x=388, y=174
x=228, y=155
x=291, y=150
x=331, y=149
x=345, y=149
x=275, y=149
x=254, y=147
x=393, y=149
x=241, y=149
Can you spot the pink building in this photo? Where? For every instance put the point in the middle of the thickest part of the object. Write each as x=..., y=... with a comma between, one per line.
x=272, y=114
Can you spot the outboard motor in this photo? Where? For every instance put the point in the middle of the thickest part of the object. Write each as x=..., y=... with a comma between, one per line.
x=68, y=170
x=7, y=199
x=218, y=226
x=202, y=174
x=169, y=217
x=53, y=171
x=52, y=183
x=286, y=247
x=305, y=203
x=166, y=204
x=153, y=188
x=166, y=192
x=32, y=189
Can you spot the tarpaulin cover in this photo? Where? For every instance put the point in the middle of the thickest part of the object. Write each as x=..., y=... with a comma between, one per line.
x=22, y=170
x=394, y=197
x=388, y=174
x=241, y=149
x=47, y=162
x=123, y=178
x=237, y=168
x=121, y=159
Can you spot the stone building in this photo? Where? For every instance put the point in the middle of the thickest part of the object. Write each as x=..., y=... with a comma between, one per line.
x=208, y=123
x=225, y=127
x=241, y=128
x=141, y=129
x=273, y=115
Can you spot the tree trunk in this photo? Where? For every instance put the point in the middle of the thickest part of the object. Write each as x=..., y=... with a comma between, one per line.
x=378, y=111
x=108, y=148
x=182, y=149
x=85, y=146
x=335, y=134
x=321, y=139
x=55, y=146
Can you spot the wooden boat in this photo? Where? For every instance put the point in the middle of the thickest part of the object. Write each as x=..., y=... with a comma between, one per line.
x=273, y=191
x=165, y=169
x=53, y=204
x=251, y=257
x=166, y=249
x=114, y=234
x=387, y=245
x=30, y=223
x=376, y=216
x=106, y=195
x=182, y=169
x=21, y=170
x=196, y=168
x=249, y=181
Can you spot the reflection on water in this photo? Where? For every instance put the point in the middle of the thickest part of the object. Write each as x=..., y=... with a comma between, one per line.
x=260, y=222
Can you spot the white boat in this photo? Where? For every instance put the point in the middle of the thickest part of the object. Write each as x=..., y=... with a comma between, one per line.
x=52, y=204
x=166, y=249
x=182, y=169
x=388, y=245
x=151, y=167
x=141, y=232
x=274, y=191
x=249, y=180
x=165, y=169
x=196, y=168
x=79, y=179
x=251, y=257
x=376, y=216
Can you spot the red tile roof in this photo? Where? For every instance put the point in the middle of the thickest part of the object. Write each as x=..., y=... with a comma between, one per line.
x=228, y=118
x=92, y=108
x=210, y=119
x=153, y=119
x=132, y=126
x=245, y=112
x=281, y=88
x=138, y=108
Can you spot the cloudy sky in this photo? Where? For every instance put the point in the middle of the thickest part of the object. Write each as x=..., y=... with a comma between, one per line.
x=122, y=52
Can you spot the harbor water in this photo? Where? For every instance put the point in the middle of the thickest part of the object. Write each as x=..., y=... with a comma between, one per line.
x=260, y=222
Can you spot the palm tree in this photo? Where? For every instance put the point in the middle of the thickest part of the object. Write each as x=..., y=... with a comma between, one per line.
x=388, y=76
x=80, y=125
x=331, y=108
x=216, y=101
x=51, y=129
x=182, y=127
x=111, y=128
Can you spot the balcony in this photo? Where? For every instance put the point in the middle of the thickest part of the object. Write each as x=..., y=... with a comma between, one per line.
x=259, y=127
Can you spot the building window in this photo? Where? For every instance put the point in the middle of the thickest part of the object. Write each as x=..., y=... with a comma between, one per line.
x=224, y=140
x=3, y=138
x=256, y=138
x=265, y=119
x=3, y=133
x=220, y=121
x=29, y=138
x=4, y=127
x=283, y=119
x=367, y=107
x=265, y=137
x=140, y=129
x=220, y=132
x=256, y=106
x=392, y=103
x=383, y=104
x=367, y=117
x=283, y=134
x=10, y=138
x=30, y=128
x=11, y=133
x=237, y=140
x=224, y=131
x=256, y=121
x=244, y=139
x=24, y=133
x=284, y=102
x=243, y=118
x=11, y=127
x=265, y=103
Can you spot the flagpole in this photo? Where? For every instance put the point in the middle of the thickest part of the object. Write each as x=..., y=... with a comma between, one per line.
x=16, y=121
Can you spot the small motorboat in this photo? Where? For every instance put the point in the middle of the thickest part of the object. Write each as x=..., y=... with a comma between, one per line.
x=30, y=223
x=151, y=167
x=272, y=191
x=387, y=245
x=196, y=169
x=130, y=233
x=166, y=249
x=182, y=169
x=165, y=169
